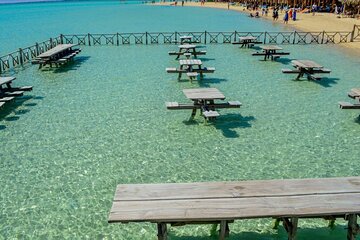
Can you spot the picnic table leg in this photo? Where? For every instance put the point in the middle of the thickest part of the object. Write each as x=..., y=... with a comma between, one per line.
x=353, y=227
x=162, y=231
x=224, y=230
x=290, y=226
x=181, y=68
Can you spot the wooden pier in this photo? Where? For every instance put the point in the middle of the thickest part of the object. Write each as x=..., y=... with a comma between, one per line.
x=224, y=202
x=58, y=55
x=308, y=68
x=270, y=52
x=204, y=100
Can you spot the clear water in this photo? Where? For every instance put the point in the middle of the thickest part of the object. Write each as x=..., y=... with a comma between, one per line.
x=102, y=121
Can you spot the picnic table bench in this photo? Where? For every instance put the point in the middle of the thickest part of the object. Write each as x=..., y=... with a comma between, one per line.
x=58, y=55
x=307, y=67
x=223, y=202
x=354, y=94
x=270, y=52
x=247, y=41
x=186, y=39
x=187, y=49
x=192, y=67
x=7, y=92
x=204, y=100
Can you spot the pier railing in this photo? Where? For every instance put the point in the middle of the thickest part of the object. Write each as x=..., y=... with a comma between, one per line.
x=25, y=55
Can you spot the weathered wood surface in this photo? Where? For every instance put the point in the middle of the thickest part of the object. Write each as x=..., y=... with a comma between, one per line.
x=180, y=106
x=203, y=94
x=354, y=93
x=190, y=62
x=2, y=104
x=347, y=105
x=56, y=50
x=306, y=64
x=6, y=99
x=236, y=200
x=186, y=37
x=187, y=46
x=6, y=80
x=247, y=38
x=270, y=47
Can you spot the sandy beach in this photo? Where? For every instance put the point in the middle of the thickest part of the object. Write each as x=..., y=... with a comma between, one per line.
x=305, y=22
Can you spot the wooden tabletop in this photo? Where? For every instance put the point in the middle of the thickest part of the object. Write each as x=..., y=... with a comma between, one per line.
x=208, y=201
x=5, y=80
x=306, y=64
x=187, y=46
x=190, y=62
x=203, y=94
x=270, y=47
x=356, y=92
x=58, y=49
x=247, y=38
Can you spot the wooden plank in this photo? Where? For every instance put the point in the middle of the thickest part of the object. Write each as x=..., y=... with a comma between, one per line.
x=270, y=47
x=210, y=113
x=203, y=93
x=235, y=208
x=346, y=105
x=356, y=92
x=6, y=99
x=58, y=49
x=190, y=62
x=2, y=104
x=238, y=189
x=187, y=46
x=306, y=64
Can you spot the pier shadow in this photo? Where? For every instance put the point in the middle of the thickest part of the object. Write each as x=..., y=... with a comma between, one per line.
x=229, y=122
x=11, y=107
x=69, y=66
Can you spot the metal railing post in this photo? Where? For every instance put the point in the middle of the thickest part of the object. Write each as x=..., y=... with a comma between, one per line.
x=352, y=34
x=61, y=39
x=89, y=40
x=146, y=38
x=117, y=39
x=235, y=33
x=21, y=59
x=205, y=37
x=294, y=37
x=265, y=37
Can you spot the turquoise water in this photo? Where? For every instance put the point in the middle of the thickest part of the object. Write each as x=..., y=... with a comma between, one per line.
x=102, y=121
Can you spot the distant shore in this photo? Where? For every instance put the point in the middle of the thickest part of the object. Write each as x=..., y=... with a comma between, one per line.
x=306, y=22
x=26, y=1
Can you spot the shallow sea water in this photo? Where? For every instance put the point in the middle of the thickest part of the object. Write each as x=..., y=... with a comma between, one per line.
x=102, y=121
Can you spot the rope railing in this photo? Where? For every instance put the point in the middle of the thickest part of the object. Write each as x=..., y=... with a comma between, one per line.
x=25, y=55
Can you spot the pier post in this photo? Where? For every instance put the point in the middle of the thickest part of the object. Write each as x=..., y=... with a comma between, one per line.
x=117, y=39
x=294, y=37
x=205, y=37
x=61, y=39
x=89, y=40
x=290, y=226
x=51, y=43
x=146, y=38
x=235, y=33
x=37, y=49
x=352, y=33
x=21, y=59
x=322, y=37
x=265, y=37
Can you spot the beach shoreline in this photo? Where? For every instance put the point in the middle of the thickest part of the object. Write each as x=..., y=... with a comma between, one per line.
x=305, y=22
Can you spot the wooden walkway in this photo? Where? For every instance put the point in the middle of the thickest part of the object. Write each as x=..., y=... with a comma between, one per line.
x=224, y=202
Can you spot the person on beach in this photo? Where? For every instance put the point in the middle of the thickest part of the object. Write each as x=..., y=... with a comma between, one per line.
x=182, y=3
x=286, y=17
x=313, y=8
x=294, y=15
x=290, y=13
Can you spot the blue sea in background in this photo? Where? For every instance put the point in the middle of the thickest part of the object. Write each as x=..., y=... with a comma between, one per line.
x=102, y=121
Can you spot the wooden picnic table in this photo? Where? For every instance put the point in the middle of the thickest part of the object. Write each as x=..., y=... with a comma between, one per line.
x=185, y=39
x=307, y=67
x=270, y=51
x=223, y=202
x=247, y=41
x=354, y=94
x=8, y=93
x=55, y=51
x=190, y=67
x=58, y=55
